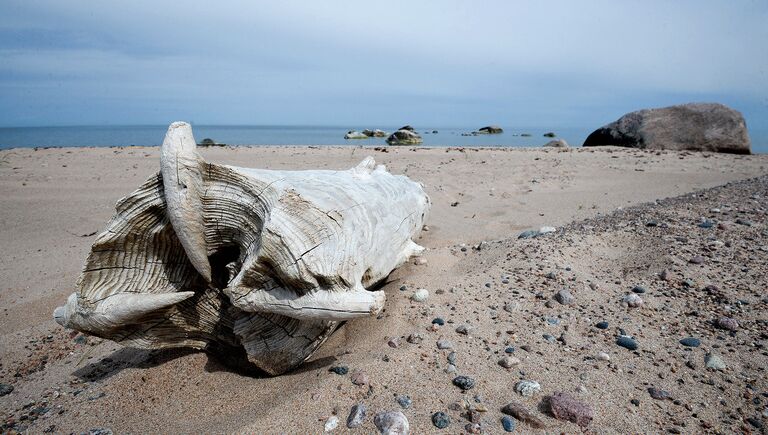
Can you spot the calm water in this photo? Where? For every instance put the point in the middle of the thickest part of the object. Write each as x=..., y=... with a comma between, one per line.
x=289, y=135
x=266, y=135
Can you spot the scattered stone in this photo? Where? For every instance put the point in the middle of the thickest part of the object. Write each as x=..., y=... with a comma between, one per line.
x=331, y=423
x=394, y=342
x=626, y=342
x=100, y=431
x=391, y=423
x=602, y=356
x=744, y=222
x=602, y=325
x=415, y=338
x=420, y=295
x=714, y=361
x=757, y=424
x=638, y=289
x=452, y=358
x=546, y=230
x=464, y=382
x=339, y=370
x=5, y=389
x=696, y=260
x=420, y=261
x=635, y=402
x=508, y=362
x=441, y=420
x=438, y=321
x=527, y=388
x=444, y=344
x=529, y=234
x=521, y=413
x=491, y=129
x=690, y=342
x=564, y=297
x=727, y=323
x=508, y=423
x=359, y=378
x=565, y=407
x=632, y=300
x=659, y=394
x=557, y=143
x=356, y=416
x=464, y=329
x=404, y=401
x=404, y=137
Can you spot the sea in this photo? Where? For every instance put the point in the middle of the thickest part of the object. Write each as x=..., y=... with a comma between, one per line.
x=152, y=135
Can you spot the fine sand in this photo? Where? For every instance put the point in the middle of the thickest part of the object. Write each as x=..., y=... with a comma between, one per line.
x=53, y=201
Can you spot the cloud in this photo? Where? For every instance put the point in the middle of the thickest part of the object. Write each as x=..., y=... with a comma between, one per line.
x=450, y=63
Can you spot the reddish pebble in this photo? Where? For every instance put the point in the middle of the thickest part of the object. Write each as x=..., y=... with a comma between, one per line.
x=727, y=323
x=359, y=378
x=564, y=407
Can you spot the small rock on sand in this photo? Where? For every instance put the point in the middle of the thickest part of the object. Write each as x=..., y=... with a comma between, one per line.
x=564, y=297
x=356, y=416
x=464, y=382
x=521, y=413
x=714, y=361
x=565, y=407
x=508, y=362
x=331, y=423
x=391, y=423
x=527, y=388
x=420, y=295
x=441, y=420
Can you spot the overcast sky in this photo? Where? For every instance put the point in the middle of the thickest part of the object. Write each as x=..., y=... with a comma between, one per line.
x=448, y=63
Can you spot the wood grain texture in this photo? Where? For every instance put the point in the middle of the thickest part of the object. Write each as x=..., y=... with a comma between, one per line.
x=255, y=265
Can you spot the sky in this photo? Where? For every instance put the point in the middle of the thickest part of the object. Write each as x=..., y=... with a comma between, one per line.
x=444, y=63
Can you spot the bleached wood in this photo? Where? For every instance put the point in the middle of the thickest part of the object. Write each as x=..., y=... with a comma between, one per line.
x=255, y=265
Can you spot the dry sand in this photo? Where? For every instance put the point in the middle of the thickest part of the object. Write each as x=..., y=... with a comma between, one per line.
x=53, y=201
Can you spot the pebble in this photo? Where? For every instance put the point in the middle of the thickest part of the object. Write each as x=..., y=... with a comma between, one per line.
x=564, y=297
x=331, y=423
x=528, y=234
x=359, y=378
x=452, y=358
x=639, y=289
x=508, y=362
x=464, y=382
x=520, y=412
x=696, y=260
x=527, y=388
x=549, y=337
x=706, y=224
x=403, y=288
x=602, y=325
x=626, y=342
x=508, y=423
x=415, y=338
x=420, y=295
x=394, y=342
x=659, y=394
x=438, y=321
x=727, y=323
x=545, y=230
x=356, y=416
x=464, y=329
x=744, y=222
x=404, y=401
x=5, y=389
x=633, y=300
x=391, y=423
x=690, y=342
x=714, y=361
x=339, y=370
x=565, y=407
x=420, y=261
x=444, y=344
x=100, y=431
x=509, y=349
x=635, y=402
x=602, y=356
x=441, y=420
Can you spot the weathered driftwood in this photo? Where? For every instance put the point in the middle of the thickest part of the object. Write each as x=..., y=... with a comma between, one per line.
x=257, y=266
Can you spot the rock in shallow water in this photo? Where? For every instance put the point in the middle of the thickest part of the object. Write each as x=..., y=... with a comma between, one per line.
x=565, y=407
x=356, y=416
x=391, y=423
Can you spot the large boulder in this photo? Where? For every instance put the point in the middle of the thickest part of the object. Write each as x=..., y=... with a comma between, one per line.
x=557, y=143
x=694, y=126
x=404, y=137
x=375, y=133
x=491, y=129
x=407, y=127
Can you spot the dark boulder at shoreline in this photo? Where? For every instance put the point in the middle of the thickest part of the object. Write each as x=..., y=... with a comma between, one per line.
x=557, y=143
x=491, y=129
x=407, y=128
x=404, y=137
x=353, y=134
x=208, y=142
x=692, y=127
x=375, y=133
x=550, y=134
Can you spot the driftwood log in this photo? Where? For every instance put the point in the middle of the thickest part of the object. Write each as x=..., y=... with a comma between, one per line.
x=256, y=266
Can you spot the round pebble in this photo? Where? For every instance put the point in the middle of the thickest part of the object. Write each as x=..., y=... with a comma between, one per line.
x=420, y=295
x=392, y=423
x=339, y=370
x=464, y=382
x=404, y=401
x=727, y=323
x=714, y=361
x=441, y=420
x=639, y=289
x=508, y=362
x=438, y=321
x=331, y=423
x=626, y=342
x=632, y=300
x=602, y=325
x=690, y=342
x=527, y=388
x=508, y=423
x=444, y=344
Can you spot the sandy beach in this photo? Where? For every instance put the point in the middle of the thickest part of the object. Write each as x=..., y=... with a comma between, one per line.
x=623, y=217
